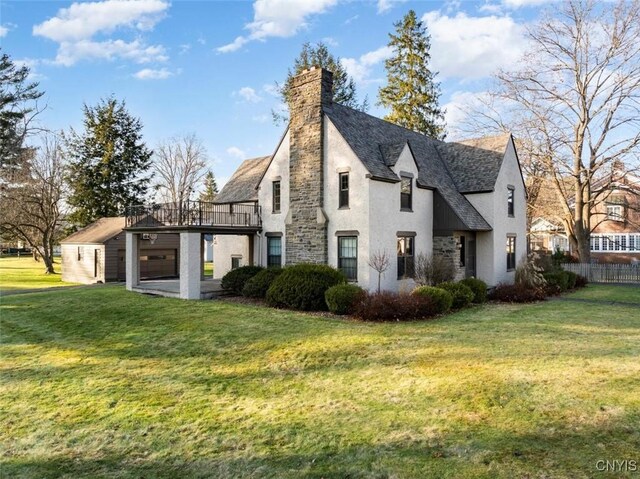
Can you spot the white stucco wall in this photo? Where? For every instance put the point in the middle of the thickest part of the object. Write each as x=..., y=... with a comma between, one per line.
x=491, y=246
x=386, y=219
x=83, y=270
x=226, y=246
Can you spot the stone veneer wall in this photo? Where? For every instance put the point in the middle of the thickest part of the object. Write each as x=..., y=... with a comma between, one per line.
x=306, y=229
x=445, y=246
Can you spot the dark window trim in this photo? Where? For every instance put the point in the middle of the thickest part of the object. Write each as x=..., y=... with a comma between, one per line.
x=355, y=278
x=405, y=256
x=463, y=250
x=273, y=196
x=511, y=257
x=410, y=194
x=270, y=237
x=343, y=194
x=275, y=234
x=511, y=205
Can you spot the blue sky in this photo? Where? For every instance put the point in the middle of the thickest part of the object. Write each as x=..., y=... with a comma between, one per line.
x=210, y=67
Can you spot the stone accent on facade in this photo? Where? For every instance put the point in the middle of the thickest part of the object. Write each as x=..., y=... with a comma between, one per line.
x=446, y=247
x=306, y=229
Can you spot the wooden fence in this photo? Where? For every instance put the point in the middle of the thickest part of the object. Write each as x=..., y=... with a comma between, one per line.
x=606, y=273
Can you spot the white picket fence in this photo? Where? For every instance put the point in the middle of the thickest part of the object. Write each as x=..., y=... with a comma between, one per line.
x=606, y=273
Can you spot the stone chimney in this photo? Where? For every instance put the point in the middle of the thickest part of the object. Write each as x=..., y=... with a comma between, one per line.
x=306, y=228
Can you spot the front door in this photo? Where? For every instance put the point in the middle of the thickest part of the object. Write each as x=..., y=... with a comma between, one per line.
x=470, y=263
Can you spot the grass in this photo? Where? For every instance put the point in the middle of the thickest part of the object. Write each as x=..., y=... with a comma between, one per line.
x=25, y=273
x=208, y=269
x=137, y=386
x=625, y=294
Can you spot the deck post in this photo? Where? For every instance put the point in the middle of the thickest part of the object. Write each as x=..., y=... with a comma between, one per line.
x=190, y=265
x=132, y=260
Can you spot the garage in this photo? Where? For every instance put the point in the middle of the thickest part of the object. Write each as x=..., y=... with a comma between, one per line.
x=154, y=263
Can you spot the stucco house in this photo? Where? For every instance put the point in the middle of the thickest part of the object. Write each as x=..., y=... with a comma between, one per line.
x=343, y=185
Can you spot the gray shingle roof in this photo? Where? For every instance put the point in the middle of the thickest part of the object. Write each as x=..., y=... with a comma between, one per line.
x=364, y=133
x=474, y=164
x=97, y=232
x=242, y=185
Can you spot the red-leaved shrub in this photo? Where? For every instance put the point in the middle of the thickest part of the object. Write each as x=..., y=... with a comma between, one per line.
x=388, y=306
x=517, y=293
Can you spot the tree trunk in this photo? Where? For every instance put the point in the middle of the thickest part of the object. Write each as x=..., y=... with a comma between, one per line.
x=47, y=259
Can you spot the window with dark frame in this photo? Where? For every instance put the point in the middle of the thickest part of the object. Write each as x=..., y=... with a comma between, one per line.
x=79, y=254
x=235, y=261
x=276, y=196
x=510, y=201
x=343, y=201
x=274, y=251
x=348, y=256
x=406, y=262
x=463, y=246
x=406, y=191
x=511, y=253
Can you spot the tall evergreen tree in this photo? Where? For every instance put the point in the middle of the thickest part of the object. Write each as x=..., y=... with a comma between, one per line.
x=109, y=163
x=210, y=188
x=318, y=55
x=411, y=92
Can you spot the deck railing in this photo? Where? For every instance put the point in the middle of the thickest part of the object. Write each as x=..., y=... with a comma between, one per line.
x=194, y=213
x=605, y=272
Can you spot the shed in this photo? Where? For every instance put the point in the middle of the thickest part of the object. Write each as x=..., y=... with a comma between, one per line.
x=96, y=253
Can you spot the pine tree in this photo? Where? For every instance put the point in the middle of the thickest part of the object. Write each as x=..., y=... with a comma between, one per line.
x=109, y=163
x=411, y=92
x=210, y=188
x=344, y=88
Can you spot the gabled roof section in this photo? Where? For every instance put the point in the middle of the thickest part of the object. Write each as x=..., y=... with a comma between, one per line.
x=97, y=232
x=475, y=163
x=242, y=185
x=391, y=152
x=365, y=133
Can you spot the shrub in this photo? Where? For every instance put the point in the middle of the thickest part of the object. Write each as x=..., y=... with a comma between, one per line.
x=431, y=270
x=517, y=293
x=581, y=281
x=478, y=287
x=572, y=278
x=235, y=279
x=388, y=306
x=257, y=286
x=441, y=298
x=341, y=298
x=529, y=274
x=556, y=282
x=303, y=286
x=462, y=294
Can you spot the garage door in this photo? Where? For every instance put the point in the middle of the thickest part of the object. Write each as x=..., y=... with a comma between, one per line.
x=154, y=263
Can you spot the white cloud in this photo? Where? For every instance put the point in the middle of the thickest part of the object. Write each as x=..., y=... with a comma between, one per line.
x=473, y=47
x=73, y=29
x=3, y=31
x=31, y=64
x=235, y=151
x=261, y=118
x=277, y=18
x=360, y=68
x=524, y=3
x=151, y=74
x=386, y=5
x=271, y=89
x=248, y=94
x=184, y=48
x=330, y=41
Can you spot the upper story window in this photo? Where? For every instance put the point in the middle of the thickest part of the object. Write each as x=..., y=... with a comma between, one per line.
x=615, y=213
x=511, y=253
x=343, y=201
x=276, y=196
x=510, y=201
x=406, y=191
x=406, y=264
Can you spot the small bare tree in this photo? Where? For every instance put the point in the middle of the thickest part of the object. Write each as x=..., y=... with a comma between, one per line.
x=179, y=165
x=431, y=270
x=32, y=202
x=380, y=262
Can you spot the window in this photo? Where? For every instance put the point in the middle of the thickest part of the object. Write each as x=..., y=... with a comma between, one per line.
x=274, y=251
x=406, y=186
x=348, y=256
x=405, y=257
x=235, y=262
x=462, y=248
x=615, y=213
x=343, y=201
x=276, y=196
x=510, y=201
x=79, y=253
x=511, y=253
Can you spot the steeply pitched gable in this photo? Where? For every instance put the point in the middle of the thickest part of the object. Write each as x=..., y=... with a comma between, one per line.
x=242, y=185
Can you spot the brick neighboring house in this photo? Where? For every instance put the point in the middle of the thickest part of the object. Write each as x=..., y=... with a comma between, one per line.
x=343, y=185
x=616, y=225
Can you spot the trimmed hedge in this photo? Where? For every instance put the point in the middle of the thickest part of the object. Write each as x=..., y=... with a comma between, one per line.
x=478, y=287
x=462, y=294
x=556, y=282
x=388, y=306
x=302, y=287
x=442, y=299
x=517, y=293
x=257, y=286
x=342, y=298
x=235, y=279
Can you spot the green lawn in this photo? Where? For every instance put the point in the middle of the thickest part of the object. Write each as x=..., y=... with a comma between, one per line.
x=25, y=273
x=625, y=294
x=137, y=386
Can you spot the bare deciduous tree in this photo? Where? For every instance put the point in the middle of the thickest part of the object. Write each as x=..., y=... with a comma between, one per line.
x=574, y=100
x=380, y=262
x=179, y=165
x=431, y=270
x=32, y=202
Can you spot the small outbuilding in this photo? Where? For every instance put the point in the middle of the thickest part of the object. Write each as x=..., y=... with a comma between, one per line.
x=96, y=253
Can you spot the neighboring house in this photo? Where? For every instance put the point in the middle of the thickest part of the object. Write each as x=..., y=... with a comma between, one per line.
x=343, y=185
x=547, y=236
x=96, y=253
